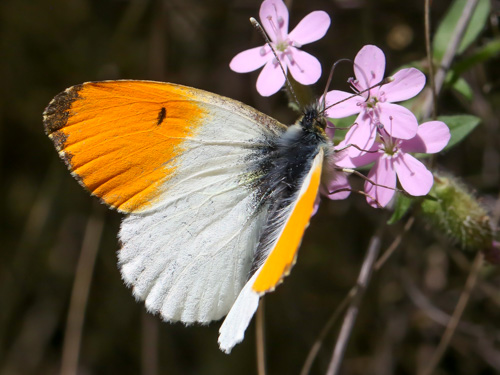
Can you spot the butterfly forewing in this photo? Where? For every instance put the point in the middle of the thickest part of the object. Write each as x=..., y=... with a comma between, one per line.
x=123, y=139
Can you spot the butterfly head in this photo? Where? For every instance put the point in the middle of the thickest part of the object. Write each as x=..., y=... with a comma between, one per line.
x=313, y=118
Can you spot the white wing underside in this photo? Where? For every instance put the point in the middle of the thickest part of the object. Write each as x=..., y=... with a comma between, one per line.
x=234, y=326
x=189, y=256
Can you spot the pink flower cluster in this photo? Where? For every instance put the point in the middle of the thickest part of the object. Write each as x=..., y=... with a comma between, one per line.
x=383, y=133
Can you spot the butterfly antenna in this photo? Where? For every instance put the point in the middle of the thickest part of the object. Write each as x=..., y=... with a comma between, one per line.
x=261, y=30
x=330, y=77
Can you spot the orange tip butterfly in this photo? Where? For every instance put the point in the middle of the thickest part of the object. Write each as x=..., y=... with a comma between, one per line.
x=216, y=194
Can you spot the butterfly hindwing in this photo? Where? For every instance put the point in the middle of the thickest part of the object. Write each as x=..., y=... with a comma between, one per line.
x=285, y=242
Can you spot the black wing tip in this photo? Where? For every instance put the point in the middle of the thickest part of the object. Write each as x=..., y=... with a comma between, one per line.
x=56, y=114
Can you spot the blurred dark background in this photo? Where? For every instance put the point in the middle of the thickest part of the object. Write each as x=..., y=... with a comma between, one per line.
x=49, y=45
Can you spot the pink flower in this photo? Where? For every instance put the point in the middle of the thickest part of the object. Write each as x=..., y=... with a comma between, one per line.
x=304, y=67
x=375, y=107
x=336, y=187
x=392, y=159
x=334, y=182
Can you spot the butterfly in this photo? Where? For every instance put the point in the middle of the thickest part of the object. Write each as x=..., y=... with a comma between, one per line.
x=217, y=195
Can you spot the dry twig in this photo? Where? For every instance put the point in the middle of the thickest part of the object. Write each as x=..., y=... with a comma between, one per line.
x=80, y=292
x=352, y=311
x=260, y=339
x=457, y=314
x=448, y=56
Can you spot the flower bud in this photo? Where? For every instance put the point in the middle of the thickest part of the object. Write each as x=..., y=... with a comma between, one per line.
x=458, y=214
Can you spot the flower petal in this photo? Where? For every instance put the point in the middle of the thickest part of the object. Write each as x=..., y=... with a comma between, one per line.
x=367, y=158
x=431, y=137
x=271, y=79
x=316, y=205
x=369, y=66
x=361, y=134
x=251, y=59
x=342, y=108
x=414, y=177
x=304, y=67
x=382, y=173
x=311, y=28
x=338, y=181
x=407, y=83
x=330, y=129
x=398, y=121
x=333, y=179
x=274, y=17
x=342, y=158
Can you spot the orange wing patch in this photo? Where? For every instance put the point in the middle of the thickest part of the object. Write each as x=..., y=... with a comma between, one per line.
x=284, y=253
x=119, y=137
